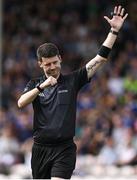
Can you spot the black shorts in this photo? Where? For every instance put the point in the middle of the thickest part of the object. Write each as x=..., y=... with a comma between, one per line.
x=53, y=161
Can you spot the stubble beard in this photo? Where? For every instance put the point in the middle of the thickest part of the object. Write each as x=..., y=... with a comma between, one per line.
x=55, y=73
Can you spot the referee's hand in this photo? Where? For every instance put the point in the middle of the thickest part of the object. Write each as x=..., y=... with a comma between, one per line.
x=51, y=81
x=118, y=18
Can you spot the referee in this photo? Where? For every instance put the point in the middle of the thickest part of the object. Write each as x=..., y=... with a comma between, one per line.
x=53, y=96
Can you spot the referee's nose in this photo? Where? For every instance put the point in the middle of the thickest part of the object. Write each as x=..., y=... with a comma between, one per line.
x=52, y=67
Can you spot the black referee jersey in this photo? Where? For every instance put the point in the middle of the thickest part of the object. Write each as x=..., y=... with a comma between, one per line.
x=55, y=107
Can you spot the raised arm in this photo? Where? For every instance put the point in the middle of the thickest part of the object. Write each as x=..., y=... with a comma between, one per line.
x=116, y=23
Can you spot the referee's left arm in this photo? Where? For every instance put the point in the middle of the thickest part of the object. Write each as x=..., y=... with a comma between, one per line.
x=116, y=23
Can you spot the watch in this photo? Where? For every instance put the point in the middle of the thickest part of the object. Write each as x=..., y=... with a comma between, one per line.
x=39, y=88
x=113, y=32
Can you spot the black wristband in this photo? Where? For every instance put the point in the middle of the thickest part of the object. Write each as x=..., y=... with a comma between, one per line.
x=113, y=32
x=104, y=51
x=39, y=88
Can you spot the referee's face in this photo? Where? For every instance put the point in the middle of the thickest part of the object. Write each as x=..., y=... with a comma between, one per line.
x=51, y=66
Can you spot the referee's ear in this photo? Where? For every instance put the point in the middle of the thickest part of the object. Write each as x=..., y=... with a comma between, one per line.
x=40, y=64
x=59, y=56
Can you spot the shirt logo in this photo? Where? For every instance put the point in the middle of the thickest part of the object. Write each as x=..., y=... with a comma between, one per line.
x=63, y=91
x=41, y=94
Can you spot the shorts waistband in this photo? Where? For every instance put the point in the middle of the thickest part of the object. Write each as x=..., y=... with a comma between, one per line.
x=57, y=143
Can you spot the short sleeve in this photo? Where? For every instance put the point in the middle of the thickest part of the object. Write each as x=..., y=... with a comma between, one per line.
x=30, y=85
x=81, y=78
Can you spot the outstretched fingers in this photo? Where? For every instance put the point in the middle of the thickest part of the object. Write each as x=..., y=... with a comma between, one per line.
x=108, y=20
x=119, y=10
x=122, y=12
x=125, y=16
x=115, y=10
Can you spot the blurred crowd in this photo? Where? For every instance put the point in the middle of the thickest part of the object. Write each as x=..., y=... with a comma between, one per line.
x=106, y=107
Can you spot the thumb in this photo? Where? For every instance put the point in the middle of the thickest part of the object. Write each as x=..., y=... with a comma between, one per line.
x=108, y=20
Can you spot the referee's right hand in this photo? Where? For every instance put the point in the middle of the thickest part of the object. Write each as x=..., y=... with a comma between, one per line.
x=29, y=96
x=51, y=81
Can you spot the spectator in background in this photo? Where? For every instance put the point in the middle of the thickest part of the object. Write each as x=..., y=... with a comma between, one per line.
x=9, y=145
x=108, y=154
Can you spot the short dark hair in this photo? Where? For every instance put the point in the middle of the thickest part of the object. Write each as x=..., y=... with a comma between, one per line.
x=47, y=50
